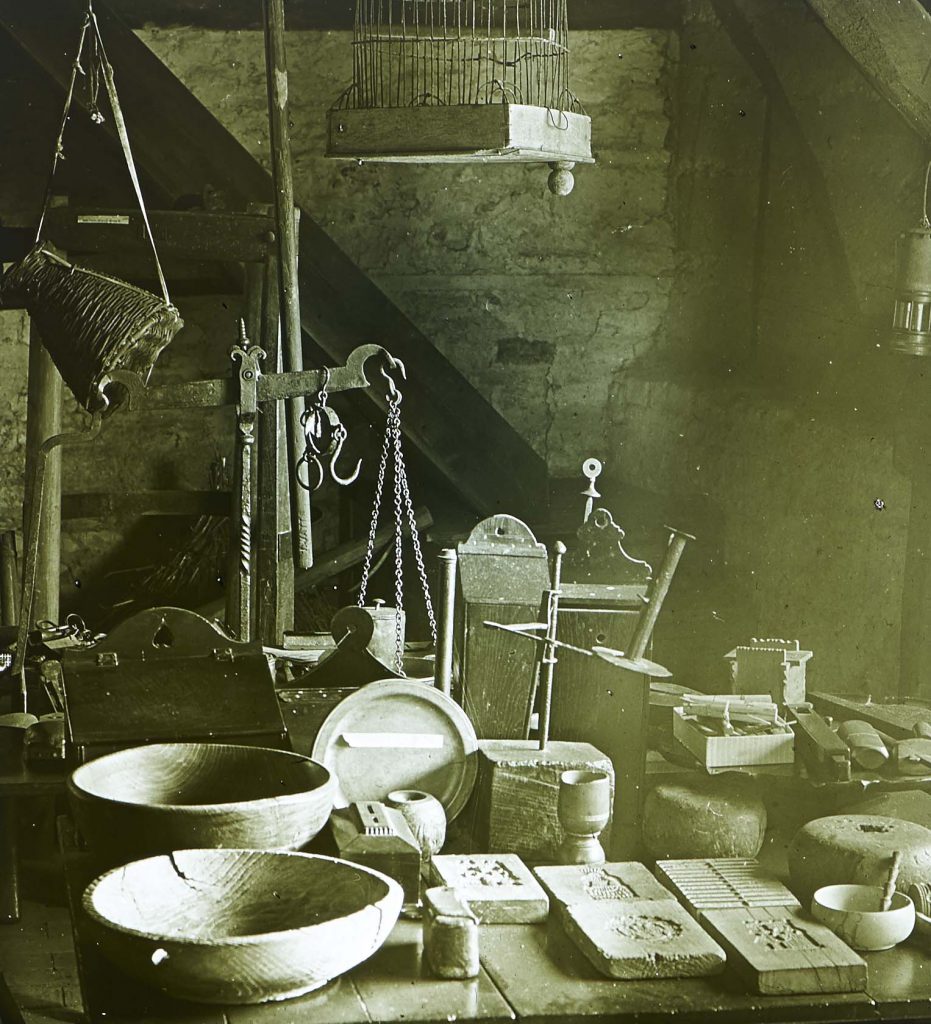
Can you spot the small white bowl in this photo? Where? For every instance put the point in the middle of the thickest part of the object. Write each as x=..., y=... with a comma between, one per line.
x=852, y=912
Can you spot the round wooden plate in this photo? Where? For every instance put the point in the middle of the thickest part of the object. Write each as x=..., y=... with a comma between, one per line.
x=399, y=734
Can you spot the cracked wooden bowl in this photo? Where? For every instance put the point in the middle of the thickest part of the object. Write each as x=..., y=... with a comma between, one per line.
x=240, y=926
x=177, y=796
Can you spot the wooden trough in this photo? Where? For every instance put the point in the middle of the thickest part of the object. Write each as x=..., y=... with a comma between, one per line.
x=240, y=926
x=177, y=796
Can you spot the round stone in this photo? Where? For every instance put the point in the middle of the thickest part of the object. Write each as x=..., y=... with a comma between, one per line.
x=720, y=816
x=857, y=849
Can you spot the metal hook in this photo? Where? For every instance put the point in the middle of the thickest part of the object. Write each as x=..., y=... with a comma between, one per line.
x=393, y=364
x=341, y=434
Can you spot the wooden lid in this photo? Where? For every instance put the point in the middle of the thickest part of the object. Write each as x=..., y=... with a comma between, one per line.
x=399, y=734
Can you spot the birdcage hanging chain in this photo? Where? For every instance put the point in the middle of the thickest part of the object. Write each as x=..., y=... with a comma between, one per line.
x=403, y=517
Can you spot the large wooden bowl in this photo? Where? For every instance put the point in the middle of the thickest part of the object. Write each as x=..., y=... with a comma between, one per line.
x=178, y=796
x=240, y=926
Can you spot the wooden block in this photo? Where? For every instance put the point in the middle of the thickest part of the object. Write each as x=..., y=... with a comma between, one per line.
x=572, y=884
x=825, y=754
x=498, y=888
x=780, y=951
x=514, y=804
x=642, y=939
x=723, y=883
x=378, y=837
x=450, y=934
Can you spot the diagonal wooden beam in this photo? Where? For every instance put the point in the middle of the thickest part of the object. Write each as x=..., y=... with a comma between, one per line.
x=891, y=43
x=186, y=151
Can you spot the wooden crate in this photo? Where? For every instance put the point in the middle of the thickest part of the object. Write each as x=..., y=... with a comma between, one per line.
x=722, y=751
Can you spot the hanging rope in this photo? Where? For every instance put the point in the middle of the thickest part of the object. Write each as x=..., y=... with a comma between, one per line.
x=91, y=323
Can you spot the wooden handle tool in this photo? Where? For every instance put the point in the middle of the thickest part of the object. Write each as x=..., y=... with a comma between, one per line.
x=892, y=878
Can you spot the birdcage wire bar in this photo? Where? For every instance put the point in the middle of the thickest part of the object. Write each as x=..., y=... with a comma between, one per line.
x=410, y=53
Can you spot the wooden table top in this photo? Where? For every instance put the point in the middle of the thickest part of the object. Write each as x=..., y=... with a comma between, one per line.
x=529, y=973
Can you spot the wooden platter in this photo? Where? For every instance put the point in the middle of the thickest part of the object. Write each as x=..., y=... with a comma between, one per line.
x=397, y=734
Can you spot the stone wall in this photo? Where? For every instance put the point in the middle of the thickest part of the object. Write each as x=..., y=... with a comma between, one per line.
x=537, y=300
x=702, y=313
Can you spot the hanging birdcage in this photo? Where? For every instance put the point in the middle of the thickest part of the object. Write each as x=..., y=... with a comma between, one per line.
x=458, y=81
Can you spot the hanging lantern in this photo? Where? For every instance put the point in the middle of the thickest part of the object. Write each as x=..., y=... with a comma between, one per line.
x=911, y=323
x=462, y=81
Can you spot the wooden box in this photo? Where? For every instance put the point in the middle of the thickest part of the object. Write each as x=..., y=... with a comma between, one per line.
x=776, y=667
x=604, y=705
x=378, y=837
x=776, y=747
x=503, y=572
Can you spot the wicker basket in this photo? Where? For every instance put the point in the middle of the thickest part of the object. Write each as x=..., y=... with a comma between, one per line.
x=90, y=323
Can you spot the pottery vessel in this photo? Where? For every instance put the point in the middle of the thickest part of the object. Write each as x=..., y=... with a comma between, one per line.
x=240, y=926
x=177, y=796
x=584, y=808
x=425, y=816
x=853, y=912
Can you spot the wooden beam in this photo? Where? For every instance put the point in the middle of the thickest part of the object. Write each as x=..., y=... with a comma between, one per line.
x=187, y=151
x=193, y=234
x=891, y=44
x=337, y=15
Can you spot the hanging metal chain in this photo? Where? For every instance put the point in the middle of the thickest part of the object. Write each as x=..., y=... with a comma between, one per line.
x=402, y=488
x=403, y=514
x=373, y=526
x=394, y=430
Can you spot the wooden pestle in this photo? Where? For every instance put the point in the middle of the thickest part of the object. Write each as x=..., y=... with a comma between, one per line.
x=891, y=879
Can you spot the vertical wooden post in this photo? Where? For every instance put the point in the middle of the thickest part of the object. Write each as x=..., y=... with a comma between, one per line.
x=283, y=176
x=275, y=568
x=43, y=420
x=9, y=583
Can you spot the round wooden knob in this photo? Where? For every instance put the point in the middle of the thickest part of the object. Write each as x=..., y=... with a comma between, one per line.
x=561, y=180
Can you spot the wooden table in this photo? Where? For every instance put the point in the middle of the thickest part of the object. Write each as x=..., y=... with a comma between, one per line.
x=17, y=783
x=529, y=973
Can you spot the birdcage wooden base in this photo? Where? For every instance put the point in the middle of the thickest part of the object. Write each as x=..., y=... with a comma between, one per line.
x=502, y=132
